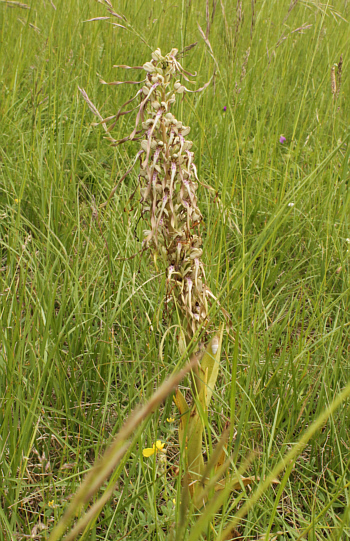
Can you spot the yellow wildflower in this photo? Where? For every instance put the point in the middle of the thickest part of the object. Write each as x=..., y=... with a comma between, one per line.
x=156, y=447
x=170, y=419
x=16, y=200
x=50, y=504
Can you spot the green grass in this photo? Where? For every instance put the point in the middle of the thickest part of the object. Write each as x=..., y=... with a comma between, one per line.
x=77, y=350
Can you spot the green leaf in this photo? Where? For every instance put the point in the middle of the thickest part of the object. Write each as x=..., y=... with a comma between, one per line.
x=211, y=362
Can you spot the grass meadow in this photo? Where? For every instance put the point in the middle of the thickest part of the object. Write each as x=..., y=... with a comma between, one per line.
x=84, y=333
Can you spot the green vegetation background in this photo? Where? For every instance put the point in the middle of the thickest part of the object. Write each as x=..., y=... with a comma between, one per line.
x=81, y=328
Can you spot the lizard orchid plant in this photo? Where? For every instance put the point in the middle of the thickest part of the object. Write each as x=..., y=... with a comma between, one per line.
x=168, y=181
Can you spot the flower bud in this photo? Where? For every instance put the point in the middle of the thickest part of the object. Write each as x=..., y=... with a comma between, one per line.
x=149, y=67
x=197, y=252
x=157, y=55
x=155, y=105
x=187, y=145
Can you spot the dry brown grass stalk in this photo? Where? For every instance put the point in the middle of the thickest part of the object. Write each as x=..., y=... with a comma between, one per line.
x=339, y=74
x=13, y=4
x=333, y=82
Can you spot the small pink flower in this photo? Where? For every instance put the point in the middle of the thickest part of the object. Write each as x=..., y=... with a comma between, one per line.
x=282, y=139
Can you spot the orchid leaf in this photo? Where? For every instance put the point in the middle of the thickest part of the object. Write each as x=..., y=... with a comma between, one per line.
x=211, y=361
x=184, y=410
